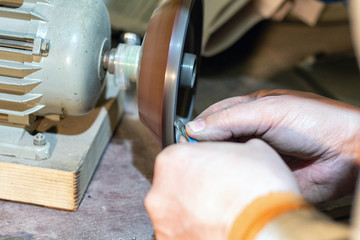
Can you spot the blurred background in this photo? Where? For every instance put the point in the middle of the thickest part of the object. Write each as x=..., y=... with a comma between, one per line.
x=306, y=46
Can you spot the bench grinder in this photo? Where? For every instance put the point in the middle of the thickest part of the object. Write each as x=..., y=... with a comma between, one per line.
x=56, y=63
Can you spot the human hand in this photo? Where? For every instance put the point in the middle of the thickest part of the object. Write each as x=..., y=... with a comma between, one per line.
x=319, y=138
x=199, y=189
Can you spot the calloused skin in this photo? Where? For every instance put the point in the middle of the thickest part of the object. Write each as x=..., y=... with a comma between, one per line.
x=199, y=189
x=319, y=138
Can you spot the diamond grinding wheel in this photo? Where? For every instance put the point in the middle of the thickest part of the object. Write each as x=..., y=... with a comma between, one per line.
x=168, y=71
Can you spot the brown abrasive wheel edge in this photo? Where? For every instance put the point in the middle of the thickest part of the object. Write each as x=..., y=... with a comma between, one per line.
x=170, y=33
x=153, y=67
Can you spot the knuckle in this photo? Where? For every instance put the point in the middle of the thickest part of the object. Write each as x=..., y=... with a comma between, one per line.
x=168, y=158
x=165, y=154
x=148, y=201
x=153, y=202
x=257, y=142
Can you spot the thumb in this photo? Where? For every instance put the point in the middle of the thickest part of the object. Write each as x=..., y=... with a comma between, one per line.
x=245, y=119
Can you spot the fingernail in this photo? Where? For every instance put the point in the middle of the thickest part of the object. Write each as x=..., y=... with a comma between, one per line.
x=196, y=126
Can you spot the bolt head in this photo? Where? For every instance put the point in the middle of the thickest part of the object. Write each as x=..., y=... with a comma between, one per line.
x=45, y=46
x=39, y=139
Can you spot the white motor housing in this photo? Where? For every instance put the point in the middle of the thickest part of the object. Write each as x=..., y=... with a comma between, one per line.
x=51, y=57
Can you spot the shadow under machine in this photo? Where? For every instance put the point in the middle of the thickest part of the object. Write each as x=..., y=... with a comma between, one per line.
x=62, y=90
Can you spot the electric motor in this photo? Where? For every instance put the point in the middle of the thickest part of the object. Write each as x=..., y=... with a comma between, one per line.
x=51, y=57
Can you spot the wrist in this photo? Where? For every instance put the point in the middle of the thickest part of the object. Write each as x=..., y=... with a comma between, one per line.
x=308, y=224
x=262, y=211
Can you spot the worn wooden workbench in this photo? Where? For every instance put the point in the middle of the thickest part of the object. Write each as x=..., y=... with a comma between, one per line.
x=112, y=207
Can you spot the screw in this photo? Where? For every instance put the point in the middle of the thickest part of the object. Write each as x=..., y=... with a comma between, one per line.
x=39, y=139
x=45, y=46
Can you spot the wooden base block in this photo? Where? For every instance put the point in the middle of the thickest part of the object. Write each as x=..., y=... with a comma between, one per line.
x=77, y=144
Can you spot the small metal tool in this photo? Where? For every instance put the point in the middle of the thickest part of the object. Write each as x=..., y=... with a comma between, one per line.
x=179, y=125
